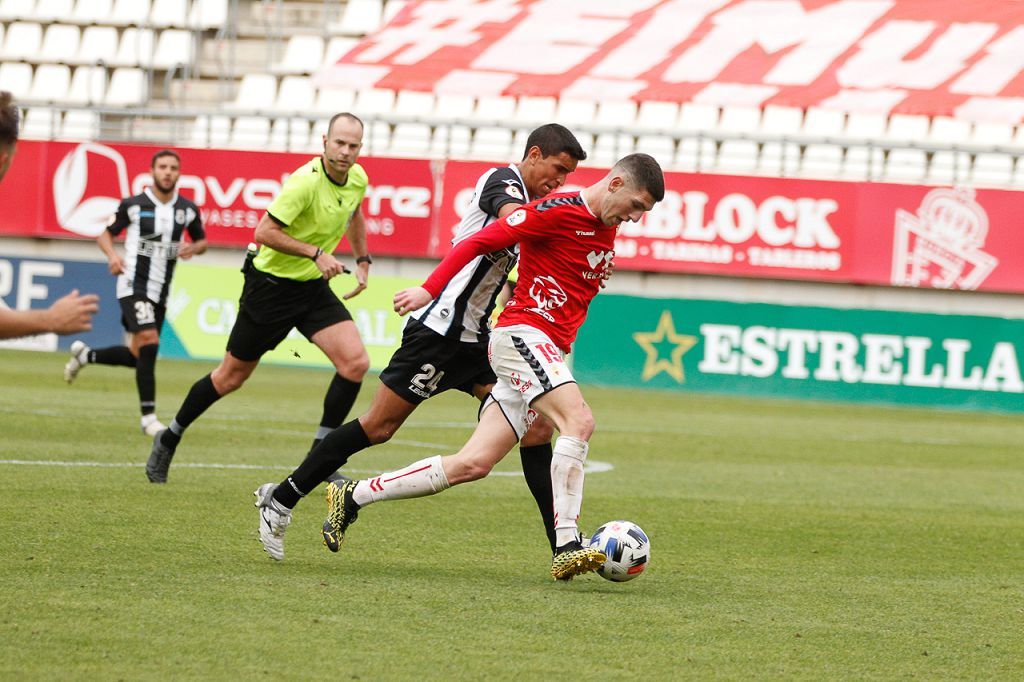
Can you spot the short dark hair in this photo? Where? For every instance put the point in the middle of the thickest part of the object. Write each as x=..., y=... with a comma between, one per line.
x=553, y=139
x=344, y=114
x=8, y=119
x=645, y=173
x=162, y=153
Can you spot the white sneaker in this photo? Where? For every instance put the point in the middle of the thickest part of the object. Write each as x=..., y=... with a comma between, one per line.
x=151, y=425
x=77, y=360
x=273, y=521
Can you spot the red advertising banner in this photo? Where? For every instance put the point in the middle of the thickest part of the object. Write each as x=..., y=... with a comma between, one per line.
x=778, y=228
x=912, y=56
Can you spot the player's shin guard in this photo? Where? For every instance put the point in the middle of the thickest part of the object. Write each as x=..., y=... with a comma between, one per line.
x=567, y=485
x=145, y=377
x=419, y=479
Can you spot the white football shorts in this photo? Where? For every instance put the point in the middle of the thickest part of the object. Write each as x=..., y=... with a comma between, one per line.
x=528, y=365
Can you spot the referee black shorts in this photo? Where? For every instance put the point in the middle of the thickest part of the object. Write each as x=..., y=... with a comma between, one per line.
x=428, y=363
x=271, y=306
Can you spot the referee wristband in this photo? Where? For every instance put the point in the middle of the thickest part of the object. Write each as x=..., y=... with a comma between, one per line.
x=364, y=259
x=319, y=252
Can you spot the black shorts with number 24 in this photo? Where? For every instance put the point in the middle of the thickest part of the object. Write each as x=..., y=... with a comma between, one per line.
x=271, y=306
x=427, y=363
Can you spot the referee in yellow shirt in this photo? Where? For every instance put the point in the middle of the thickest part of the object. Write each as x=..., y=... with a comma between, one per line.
x=286, y=286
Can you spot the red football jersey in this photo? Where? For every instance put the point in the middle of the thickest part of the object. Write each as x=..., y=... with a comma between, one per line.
x=564, y=251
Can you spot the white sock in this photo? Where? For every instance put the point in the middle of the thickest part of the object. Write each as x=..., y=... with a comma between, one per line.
x=567, y=485
x=419, y=479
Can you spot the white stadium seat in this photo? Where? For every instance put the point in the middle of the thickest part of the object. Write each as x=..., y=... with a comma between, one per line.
x=988, y=133
x=15, y=10
x=296, y=94
x=60, y=43
x=22, y=41
x=862, y=163
x=820, y=122
x=377, y=138
x=92, y=11
x=80, y=124
x=696, y=116
x=616, y=113
x=88, y=84
x=907, y=128
x=535, y=110
x=451, y=107
x=50, y=83
x=695, y=153
x=491, y=143
x=173, y=47
x=779, y=158
x=736, y=119
x=337, y=47
x=333, y=100
x=413, y=103
x=908, y=165
x=360, y=17
x=992, y=169
x=289, y=134
x=16, y=78
x=98, y=45
x=411, y=139
x=250, y=132
x=208, y=14
x=374, y=101
x=494, y=109
x=865, y=126
x=661, y=147
x=210, y=131
x=41, y=123
x=821, y=160
x=128, y=87
x=782, y=120
x=302, y=55
x=169, y=13
x=136, y=47
x=655, y=115
x=46, y=11
x=256, y=92
x=737, y=156
x=129, y=13
x=948, y=167
x=573, y=111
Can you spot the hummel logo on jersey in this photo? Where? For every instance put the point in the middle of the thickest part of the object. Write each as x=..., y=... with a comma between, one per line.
x=584, y=233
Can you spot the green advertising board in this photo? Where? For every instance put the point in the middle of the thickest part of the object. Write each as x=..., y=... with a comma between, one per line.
x=203, y=304
x=803, y=352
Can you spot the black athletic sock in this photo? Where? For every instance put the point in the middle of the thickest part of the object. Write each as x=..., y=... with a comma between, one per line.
x=323, y=461
x=199, y=399
x=145, y=377
x=338, y=401
x=112, y=355
x=537, y=470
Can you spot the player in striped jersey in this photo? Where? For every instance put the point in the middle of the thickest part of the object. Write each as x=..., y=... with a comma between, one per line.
x=155, y=223
x=445, y=346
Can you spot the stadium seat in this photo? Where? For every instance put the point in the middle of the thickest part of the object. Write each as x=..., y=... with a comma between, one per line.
x=948, y=167
x=572, y=111
x=862, y=163
x=40, y=123
x=250, y=132
x=413, y=103
x=128, y=87
x=821, y=160
x=88, y=83
x=16, y=78
x=949, y=130
x=256, y=92
x=296, y=94
x=60, y=44
x=129, y=13
x=820, y=122
x=210, y=131
x=359, y=18
x=80, y=124
x=136, y=47
x=50, y=83
x=865, y=126
x=778, y=158
x=907, y=128
x=610, y=147
x=491, y=143
x=46, y=11
x=453, y=107
x=337, y=47
x=694, y=116
x=695, y=153
x=333, y=100
x=289, y=134
x=906, y=165
x=16, y=10
x=535, y=111
x=208, y=14
x=451, y=142
x=377, y=138
x=173, y=47
x=737, y=156
x=654, y=115
x=22, y=41
x=374, y=101
x=737, y=119
x=616, y=113
x=494, y=109
x=91, y=11
x=302, y=55
x=992, y=169
x=990, y=133
x=169, y=13
x=781, y=120
x=411, y=140
x=661, y=147
x=98, y=45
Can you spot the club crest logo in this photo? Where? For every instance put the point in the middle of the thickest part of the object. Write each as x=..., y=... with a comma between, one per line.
x=88, y=185
x=940, y=247
x=516, y=217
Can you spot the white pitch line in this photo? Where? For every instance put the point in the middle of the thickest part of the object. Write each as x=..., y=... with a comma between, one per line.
x=591, y=467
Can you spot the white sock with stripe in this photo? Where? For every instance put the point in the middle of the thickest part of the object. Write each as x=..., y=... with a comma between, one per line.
x=570, y=453
x=419, y=479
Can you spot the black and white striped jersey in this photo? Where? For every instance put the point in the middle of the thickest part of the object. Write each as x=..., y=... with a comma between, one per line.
x=463, y=308
x=154, y=232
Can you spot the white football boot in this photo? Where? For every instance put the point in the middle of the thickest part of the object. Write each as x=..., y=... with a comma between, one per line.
x=151, y=425
x=273, y=521
x=77, y=360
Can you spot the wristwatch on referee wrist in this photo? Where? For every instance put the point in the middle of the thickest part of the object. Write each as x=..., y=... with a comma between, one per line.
x=319, y=252
x=364, y=259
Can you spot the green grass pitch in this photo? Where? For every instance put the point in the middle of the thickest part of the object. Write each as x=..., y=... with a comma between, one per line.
x=790, y=541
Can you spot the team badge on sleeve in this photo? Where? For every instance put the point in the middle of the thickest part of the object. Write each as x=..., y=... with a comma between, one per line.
x=514, y=192
x=516, y=217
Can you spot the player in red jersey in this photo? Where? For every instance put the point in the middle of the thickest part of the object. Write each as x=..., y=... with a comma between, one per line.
x=566, y=245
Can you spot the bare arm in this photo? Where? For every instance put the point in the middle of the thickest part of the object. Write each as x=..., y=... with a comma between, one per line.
x=269, y=232
x=68, y=315
x=189, y=249
x=115, y=264
x=356, y=235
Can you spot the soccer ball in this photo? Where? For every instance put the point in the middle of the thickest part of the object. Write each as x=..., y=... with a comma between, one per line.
x=627, y=548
